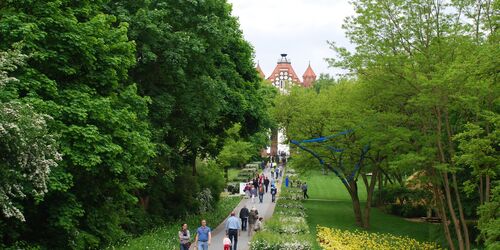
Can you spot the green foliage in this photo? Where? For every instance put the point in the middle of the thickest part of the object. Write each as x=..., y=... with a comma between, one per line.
x=136, y=92
x=235, y=152
x=210, y=176
x=489, y=220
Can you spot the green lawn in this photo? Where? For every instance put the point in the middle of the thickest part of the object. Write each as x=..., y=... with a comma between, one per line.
x=333, y=208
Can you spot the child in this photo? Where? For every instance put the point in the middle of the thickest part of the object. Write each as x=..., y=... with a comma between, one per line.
x=227, y=243
x=258, y=224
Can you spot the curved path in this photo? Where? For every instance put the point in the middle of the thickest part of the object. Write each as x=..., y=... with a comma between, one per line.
x=266, y=210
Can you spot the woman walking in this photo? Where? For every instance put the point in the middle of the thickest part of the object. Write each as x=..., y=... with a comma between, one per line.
x=184, y=237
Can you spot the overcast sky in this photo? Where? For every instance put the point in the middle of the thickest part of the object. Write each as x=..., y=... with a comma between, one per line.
x=299, y=28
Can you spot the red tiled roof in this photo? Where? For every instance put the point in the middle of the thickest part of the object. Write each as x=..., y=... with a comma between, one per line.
x=309, y=72
x=280, y=67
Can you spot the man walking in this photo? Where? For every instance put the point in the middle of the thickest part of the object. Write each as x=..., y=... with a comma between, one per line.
x=304, y=189
x=244, y=217
x=274, y=191
x=233, y=227
x=261, y=193
x=203, y=236
x=266, y=183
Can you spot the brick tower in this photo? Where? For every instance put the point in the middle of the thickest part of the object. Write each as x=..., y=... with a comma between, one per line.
x=309, y=77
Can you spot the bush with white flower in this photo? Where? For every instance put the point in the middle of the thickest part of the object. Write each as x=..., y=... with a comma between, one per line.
x=27, y=150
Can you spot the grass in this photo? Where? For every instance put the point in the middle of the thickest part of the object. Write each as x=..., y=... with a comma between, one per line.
x=165, y=237
x=330, y=206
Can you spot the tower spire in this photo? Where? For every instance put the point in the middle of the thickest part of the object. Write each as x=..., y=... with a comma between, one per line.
x=309, y=76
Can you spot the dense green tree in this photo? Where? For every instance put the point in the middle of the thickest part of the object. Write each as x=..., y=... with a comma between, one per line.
x=193, y=62
x=416, y=58
x=77, y=72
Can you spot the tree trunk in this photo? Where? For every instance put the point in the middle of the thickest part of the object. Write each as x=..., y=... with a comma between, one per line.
x=451, y=150
x=379, y=201
x=481, y=190
x=488, y=188
x=192, y=161
x=456, y=222
x=442, y=214
x=353, y=192
x=369, y=195
x=461, y=212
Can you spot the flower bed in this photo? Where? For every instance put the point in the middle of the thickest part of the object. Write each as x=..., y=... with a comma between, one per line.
x=272, y=241
x=288, y=229
x=287, y=225
x=292, y=194
x=329, y=238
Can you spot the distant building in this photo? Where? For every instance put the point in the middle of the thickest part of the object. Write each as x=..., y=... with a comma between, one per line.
x=282, y=77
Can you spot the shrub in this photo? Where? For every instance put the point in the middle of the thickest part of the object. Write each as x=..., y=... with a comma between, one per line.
x=291, y=194
x=329, y=238
x=401, y=201
x=233, y=188
x=287, y=225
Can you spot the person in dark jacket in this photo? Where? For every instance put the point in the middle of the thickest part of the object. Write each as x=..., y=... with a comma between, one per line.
x=304, y=190
x=274, y=191
x=266, y=183
x=244, y=213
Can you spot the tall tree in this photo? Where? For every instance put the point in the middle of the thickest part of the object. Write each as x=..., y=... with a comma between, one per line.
x=77, y=72
x=412, y=53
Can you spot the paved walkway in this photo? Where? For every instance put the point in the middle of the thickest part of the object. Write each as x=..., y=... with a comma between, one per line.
x=266, y=210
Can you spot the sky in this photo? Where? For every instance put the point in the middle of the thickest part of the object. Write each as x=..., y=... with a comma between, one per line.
x=299, y=28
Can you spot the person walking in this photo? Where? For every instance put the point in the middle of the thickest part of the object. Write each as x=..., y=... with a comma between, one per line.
x=233, y=227
x=261, y=193
x=184, y=237
x=252, y=219
x=254, y=194
x=277, y=172
x=203, y=236
x=244, y=213
x=304, y=189
x=266, y=183
x=274, y=191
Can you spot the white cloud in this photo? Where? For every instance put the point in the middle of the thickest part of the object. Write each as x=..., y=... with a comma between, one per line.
x=297, y=27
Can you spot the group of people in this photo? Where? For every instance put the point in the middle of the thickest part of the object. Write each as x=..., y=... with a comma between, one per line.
x=248, y=220
x=202, y=239
x=259, y=186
